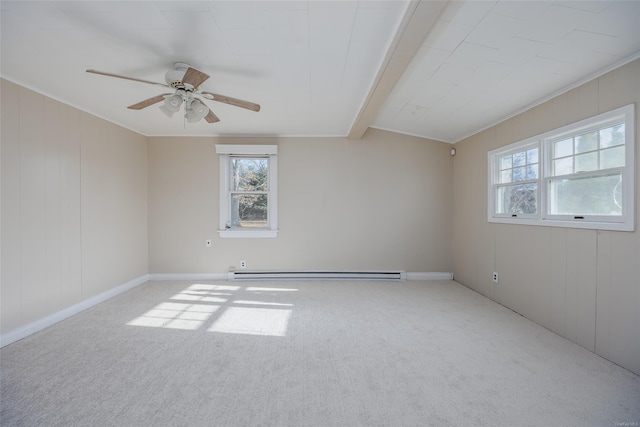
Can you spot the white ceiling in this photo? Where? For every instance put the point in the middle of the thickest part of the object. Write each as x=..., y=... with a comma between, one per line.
x=441, y=70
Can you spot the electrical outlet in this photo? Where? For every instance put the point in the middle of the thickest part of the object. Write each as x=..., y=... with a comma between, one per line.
x=208, y=243
x=243, y=264
x=495, y=277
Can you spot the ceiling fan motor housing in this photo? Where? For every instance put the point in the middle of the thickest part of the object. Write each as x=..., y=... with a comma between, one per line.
x=174, y=77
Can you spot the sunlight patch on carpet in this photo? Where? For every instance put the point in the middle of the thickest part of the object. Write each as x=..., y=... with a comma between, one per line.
x=213, y=307
x=176, y=316
x=253, y=321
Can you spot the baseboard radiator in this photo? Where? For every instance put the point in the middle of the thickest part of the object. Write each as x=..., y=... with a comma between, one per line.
x=316, y=275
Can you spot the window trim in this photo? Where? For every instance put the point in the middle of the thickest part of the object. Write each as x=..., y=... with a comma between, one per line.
x=624, y=222
x=225, y=153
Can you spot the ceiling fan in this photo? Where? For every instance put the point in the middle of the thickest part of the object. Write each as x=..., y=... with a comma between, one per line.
x=186, y=81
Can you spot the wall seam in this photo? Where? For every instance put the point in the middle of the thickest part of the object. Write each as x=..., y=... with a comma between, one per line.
x=82, y=287
x=595, y=301
x=20, y=93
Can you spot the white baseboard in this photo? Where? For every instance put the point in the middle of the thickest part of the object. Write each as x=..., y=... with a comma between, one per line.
x=189, y=276
x=429, y=276
x=226, y=276
x=45, y=322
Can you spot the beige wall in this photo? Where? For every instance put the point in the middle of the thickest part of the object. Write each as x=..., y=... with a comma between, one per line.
x=382, y=202
x=74, y=206
x=582, y=284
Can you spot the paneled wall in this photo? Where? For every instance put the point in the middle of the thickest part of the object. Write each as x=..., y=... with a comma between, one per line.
x=382, y=202
x=581, y=284
x=74, y=206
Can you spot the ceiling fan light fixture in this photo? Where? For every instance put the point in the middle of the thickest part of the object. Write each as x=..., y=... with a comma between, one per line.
x=173, y=102
x=196, y=111
x=166, y=111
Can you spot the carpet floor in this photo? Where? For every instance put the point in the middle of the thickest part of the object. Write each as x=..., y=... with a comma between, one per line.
x=308, y=353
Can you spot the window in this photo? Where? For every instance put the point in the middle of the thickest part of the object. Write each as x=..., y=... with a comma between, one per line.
x=517, y=182
x=586, y=172
x=581, y=175
x=248, y=190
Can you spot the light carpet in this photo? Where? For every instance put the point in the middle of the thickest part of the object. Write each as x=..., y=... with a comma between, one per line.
x=314, y=353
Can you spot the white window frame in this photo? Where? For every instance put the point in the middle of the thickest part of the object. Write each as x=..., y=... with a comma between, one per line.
x=226, y=152
x=624, y=222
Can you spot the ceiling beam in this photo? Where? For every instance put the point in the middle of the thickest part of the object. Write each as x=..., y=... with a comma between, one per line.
x=418, y=20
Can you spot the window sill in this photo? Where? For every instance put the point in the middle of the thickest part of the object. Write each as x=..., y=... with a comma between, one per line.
x=248, y=234
x=593, y=225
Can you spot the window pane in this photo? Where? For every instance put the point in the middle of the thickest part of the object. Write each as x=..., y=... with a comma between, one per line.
x=520, y=159
x=587, y=162
x=517, y=199
x=532, y=172
x=563, y=166
x=532, y=156
x=520, y=174
x=249, y=174
x=563, y=148
x=610, y=137
x=505, y=162
x=587, y=142
x=505, y=177
x=601, y=195
x=249, y=210
x=612, y=157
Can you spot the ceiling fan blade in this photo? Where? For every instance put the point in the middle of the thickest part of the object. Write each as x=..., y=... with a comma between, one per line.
x=211, y=118
x=147, y=102
x=194, y=77
x=233, y=101
x=102, y=73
